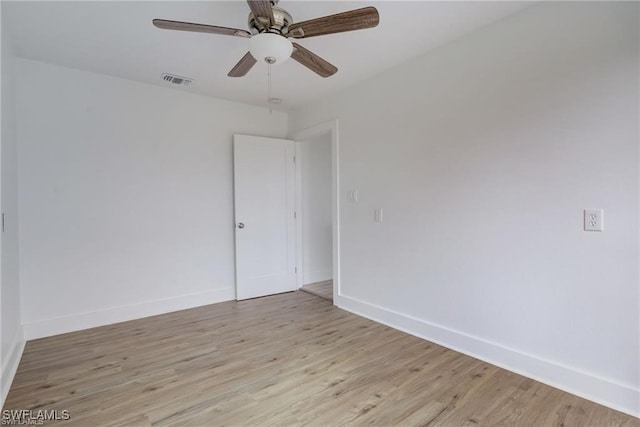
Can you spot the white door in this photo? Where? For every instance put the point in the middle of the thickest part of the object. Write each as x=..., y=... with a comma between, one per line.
x=264, y=182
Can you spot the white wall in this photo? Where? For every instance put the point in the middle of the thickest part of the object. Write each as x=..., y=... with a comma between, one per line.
x=11, y=338
x=126, y=197
x=484, y=154
x=315, y=215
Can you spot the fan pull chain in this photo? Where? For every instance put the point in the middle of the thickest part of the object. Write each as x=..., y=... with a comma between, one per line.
x=269, y=88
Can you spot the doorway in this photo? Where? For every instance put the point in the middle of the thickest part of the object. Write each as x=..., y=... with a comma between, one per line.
x=317, y=233
x=314, y=172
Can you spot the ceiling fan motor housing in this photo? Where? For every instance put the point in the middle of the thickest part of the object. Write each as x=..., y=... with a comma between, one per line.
x=281, y=21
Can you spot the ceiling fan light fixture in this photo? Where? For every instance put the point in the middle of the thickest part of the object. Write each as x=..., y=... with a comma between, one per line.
x=271, y=48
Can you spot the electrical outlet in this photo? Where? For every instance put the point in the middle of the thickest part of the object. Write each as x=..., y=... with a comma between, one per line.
x=352, y=196
x=593, y=220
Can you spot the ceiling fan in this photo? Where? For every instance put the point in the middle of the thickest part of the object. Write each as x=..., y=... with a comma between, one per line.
x=271, y=28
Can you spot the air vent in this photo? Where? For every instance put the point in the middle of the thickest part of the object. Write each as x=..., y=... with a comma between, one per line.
x=176, y=80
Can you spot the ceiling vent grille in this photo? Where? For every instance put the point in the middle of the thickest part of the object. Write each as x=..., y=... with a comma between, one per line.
x=176, y=80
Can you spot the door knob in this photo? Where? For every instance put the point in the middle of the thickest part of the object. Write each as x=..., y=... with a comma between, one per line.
x=240, y=225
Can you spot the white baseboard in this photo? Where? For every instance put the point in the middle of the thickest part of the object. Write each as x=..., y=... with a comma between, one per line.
x=76, y=322
x=9, y=368
x=622, y=397
x=316, y=276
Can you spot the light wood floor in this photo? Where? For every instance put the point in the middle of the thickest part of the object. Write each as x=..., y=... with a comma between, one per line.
x=320, y=289
x=290, y=359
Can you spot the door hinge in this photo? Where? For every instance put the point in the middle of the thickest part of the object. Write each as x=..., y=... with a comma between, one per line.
x=294, y=159
x=295, y=215
x=296, y=269
x=3, y=222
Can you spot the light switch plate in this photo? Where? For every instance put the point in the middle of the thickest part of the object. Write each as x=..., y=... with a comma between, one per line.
x=593, y=220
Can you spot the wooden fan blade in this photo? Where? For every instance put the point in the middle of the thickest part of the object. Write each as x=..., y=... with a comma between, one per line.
x=262, y=9
x=357, y=19
x=199, y=28
x=313, y=61
x=243, y=66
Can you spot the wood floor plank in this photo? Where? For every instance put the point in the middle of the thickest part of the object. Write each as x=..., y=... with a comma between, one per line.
x=285, y=360
x=320, y=289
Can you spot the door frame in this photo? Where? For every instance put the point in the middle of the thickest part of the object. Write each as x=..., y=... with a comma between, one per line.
x=331, y=128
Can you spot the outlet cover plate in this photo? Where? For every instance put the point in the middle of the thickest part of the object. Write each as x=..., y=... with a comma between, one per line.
x=593, y=220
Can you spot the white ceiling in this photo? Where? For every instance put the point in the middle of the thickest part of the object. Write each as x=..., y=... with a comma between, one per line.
x=117, y=38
